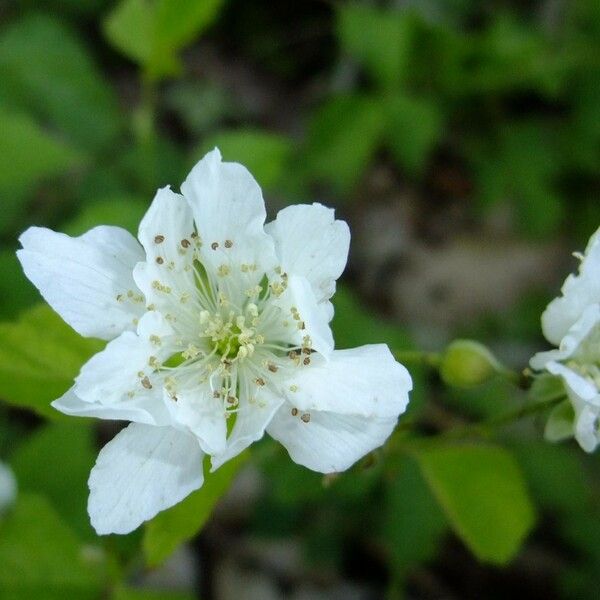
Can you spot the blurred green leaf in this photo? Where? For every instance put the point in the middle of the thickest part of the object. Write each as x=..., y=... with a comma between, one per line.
x=143, y=594
x=40, y=557
x=414, y=127
x=509, y=55
x=343, y=136
x=16, y=292
x=151, y=32
x=183, y=521
x=266, y=155
x=45, y=68
x=523, y=169
x=379, y=39
x=40, y=355
x=483, y=494
x=54, y=459
x=29, y=155
x=555, y=475
x=412, y=521
x=354, y=324
x=124, y=211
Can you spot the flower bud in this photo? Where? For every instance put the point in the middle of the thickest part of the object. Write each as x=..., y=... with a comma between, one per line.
x=466, y=363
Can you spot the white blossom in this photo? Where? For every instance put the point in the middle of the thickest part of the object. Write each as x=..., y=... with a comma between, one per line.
x=8, y=487
x=572, y=322
x=218, y=330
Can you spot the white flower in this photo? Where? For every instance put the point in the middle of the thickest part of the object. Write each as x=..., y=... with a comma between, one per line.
x=219, y=330
x=8, y=487
x=572, y=322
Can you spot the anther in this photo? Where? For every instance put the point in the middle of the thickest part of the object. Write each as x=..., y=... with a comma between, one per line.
x=146, y=383
x=185, y=243
x=160, y=260
x=228, y=243
x=294, y=412
x=260, y=381
x=305, y=417
x=214, y=245
x=272, y=368
x=159, y=239
x=306, y=361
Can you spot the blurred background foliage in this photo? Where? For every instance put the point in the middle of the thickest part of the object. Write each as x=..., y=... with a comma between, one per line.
x=460, y=139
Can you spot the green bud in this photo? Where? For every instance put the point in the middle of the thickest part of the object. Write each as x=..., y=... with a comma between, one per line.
x=466, y=363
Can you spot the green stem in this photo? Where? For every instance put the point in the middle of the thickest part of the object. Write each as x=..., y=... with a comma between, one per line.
x=487, y=428
x=429, y=359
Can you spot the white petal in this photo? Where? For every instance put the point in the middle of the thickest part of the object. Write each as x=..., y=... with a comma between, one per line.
x=586, y=423
x=167, y=223
x=250, y=424
x=300, y=296
x=142, y=471
x=575, y=383
x=578, y=292
x=310, y=242
x=167, y=234
x=123, y=370
x=140, y=409
x=229, y=212
x=342, y=408
x=197, y=411
x=82, y=277
x=329, y=442
x=362, y=381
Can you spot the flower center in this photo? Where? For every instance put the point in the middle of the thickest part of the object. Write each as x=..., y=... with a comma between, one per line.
x=232, y=336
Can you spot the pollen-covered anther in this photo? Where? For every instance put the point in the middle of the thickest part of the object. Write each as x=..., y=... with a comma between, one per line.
x=155, y=340
x=190, y=352
x=154, y=362
x=223, y=270
x=259, y=381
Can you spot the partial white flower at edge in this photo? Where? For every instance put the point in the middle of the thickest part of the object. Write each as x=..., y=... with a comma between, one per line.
x=572, y=322
x=8, y=487
x=218, y=329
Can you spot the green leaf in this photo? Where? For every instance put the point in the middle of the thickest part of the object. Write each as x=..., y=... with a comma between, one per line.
x=29, y=155
x=142, y=594
x=40, y=355
x=152, y=32
x=182, y=522
x=122, y=211
x=265, y=155
x=483, y=494
x=560, y=423
x=56, y=461
x=16, y=292
x=342, y=139
x=412, y=521
x=45, y=68
x=129, y=28
x=414, y=127
x=379, y=39
x=40, y=557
